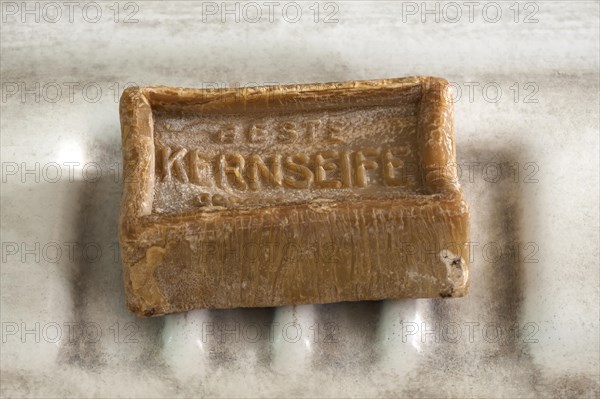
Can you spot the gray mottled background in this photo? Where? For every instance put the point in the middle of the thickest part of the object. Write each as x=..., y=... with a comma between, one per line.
x=527, y=129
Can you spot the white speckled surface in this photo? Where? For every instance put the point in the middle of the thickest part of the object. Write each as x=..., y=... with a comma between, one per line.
x=54, y=280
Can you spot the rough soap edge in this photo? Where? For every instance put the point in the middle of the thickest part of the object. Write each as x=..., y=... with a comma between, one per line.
x=438, y=150
x=138, y=178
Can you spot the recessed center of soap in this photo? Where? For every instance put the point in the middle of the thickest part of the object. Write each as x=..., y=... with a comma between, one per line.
x=210, y=160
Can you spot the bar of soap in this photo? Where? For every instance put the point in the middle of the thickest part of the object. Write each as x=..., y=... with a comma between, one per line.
x=297, y=194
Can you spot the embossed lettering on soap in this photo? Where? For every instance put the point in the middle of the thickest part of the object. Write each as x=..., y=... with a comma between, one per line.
x=218, y=160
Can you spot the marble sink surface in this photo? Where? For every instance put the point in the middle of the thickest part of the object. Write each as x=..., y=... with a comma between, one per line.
x=525, y=77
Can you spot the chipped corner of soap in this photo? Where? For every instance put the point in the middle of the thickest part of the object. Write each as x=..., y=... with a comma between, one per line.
x=457, y=275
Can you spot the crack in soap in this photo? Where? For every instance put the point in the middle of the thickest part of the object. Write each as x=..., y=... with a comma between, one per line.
x=278, y=195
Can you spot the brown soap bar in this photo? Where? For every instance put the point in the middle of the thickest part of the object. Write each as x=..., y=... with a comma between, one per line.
x=295, y=194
